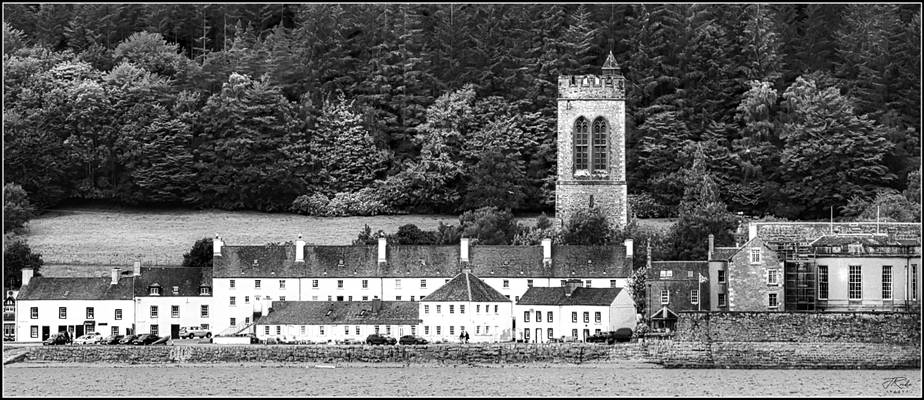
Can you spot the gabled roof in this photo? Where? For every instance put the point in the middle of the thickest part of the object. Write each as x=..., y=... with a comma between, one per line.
x=724, y=253
x=871, y=240
x=664, y=313
x=610, y=62
x=678, y=269
x=556, y=296
x=272, y=261
x=466, y=287
x=187, y=280
x=341, y=313
x=42, y=288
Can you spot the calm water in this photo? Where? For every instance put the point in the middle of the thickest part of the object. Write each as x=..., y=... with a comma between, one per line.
x=31, y=379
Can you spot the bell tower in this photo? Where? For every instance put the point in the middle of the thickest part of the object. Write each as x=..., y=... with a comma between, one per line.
x=592, y=144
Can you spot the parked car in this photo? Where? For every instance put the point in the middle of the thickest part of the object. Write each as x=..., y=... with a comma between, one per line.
x=112, y=339
x=145, y=339
x=128, y=339
x=57, y=339
x=162, y=341
x=376, y=338
x=351, y=341
x=602, y=337
x=195, y=332
x=90, y=338
x=411, y=339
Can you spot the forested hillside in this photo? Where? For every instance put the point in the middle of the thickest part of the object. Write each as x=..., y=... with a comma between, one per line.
x=368, y=109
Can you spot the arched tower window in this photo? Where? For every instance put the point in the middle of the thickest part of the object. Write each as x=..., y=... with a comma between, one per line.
x=581, y=139
x=599, y=154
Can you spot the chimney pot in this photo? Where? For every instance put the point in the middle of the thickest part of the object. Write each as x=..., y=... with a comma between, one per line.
x=299, y=249
x=464, y=250
x=136, y=268
x=216, y=246
x=383, y=247
x=711, y=247
x=115, y=277
x=26, y=275
x=630, y=251
x=752, y=230
x=547, y=250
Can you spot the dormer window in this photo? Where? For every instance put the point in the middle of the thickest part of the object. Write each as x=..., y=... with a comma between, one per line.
x=205, y=290
x=176, y=290
x=855, y=248
x=154, y=290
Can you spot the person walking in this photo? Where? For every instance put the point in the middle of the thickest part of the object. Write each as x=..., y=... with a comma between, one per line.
x=462, y=337
x=466, y=336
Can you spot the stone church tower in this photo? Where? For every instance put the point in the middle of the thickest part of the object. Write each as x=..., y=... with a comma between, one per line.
x=592, y=144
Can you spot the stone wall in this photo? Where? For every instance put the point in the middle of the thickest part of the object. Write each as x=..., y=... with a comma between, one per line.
x=808, y=231
x=790, y=355
x=847, y=327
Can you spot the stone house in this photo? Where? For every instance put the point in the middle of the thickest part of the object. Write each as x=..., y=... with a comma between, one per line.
x=76, y=305
x=747, y=278
x=168, y=299
x=466, y=304
x=336, y=321
x=546, y=313
x=675, y=286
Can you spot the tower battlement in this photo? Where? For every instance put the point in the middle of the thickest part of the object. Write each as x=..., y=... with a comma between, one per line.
x=592, y=87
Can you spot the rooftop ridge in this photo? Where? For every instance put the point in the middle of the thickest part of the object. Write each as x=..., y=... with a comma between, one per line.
x=468, y=286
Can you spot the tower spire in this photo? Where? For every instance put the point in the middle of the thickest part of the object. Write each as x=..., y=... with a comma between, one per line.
x=610, y=67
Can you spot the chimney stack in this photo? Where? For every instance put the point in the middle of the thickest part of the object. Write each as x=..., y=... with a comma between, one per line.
x=573, y=284
x=752, y=230
x=546, y=251
x=115, y=277
x=299, y=249
x=464, y=250
x=376, y=305
x=648, y=254
x=383, y=246
x=216, y=246
x=711, y=247
x=26, y=275
x=136, y=268
x=629, y=248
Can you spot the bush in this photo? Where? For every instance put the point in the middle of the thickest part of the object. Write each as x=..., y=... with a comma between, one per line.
x=314, y=204
x=588, y=226
x=16, y=256
x=16, y=207
x=363, y=202
x=200, y=256
x=645, y=206
x=489, y=225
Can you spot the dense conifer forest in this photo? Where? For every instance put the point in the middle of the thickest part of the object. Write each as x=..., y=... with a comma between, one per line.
x=329, y=109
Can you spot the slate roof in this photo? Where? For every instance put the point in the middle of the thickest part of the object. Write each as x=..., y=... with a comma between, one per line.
x=466, y=287
x=42, y=288
x=421, y=261
x=187, y=280
x=865, y=240
x=341, y=313
x=723, y=253
x=679, y=269
x=555, y=296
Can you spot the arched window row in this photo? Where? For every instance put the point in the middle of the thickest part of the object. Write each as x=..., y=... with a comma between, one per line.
x=591, y=145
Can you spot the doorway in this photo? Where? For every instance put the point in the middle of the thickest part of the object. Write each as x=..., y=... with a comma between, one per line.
x=62, y=328
x=45, y=332
x=175, y=331
x=538, y=335
x=526, y=335
x=78, y=331
x=586, y=334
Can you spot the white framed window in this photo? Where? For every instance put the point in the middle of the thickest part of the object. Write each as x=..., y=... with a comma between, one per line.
x=118, y=313
x=586, y=316
x=755, y=255
x=397, y=284
x=231, y=283
x=154, y=312
x=574, y=316
x=282, y=298
x=461, y=308
x=721, y=276
x=886, y=282
x=452, y=330
x=282, y=283
x=529, y=283
x=233, y=321
x=426, y=329
x=256, y=284
x=154, y=291
x=62, y=312
x=346, y=330
x=423, y=283
x=302, y=329
x=914, y=281
x=525, y=316
x=114, y=331
x=279, y=330
x=365, y=284
x=506, y=283
x=155, y=330
x=388, y=329
x=478, y=308
x=426, y=309
x=822, y=282
x=694, y=296
x=314, y=283
x=612, y=283
x=665, y=296
x=548, y=316
x=247, y=299
x=538, y=316
x=357, y=329
x=772, y=300
x=855, y=283
x=266, y=330
x=772, y=278
x=174, y=311
x=587, y=283
x=495, y=308
x=438, y=329
x=438, y=309
x=722, y=299
x=365, y=298
x=597, y=317
x=176, y=290
x=452, y=309
x=322, y=330
x=204, y=311
x=413, y=330
x=339, y=283
x=232, y=301
x=205, y=290
x=33, y=331
x=33, y=312
x=397, y=298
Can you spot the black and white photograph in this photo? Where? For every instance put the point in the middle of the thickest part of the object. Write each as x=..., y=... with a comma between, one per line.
x=417, y=200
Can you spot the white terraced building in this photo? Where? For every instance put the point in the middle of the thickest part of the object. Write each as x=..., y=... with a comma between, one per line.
x=247, y=279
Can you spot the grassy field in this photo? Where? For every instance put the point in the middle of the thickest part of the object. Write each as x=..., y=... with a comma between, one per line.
x=94, y=235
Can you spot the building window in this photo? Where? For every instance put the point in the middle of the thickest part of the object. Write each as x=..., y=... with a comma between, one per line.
x=247, y=299
x=665, y=296
x=351, y=298
x=321, y=330
x=176, y=290
x=721, y=299
x=772, y=300
x=153, y=311
x=256, y=284
x=525, y=316
x=426, y=309
x=266, y=330
x=231, y=283
x=495, y=309
x=506, y=283
x=438, y=307
x=205, y=290
x=346, y=330
x=516, y=299
x=478, y=308
x=694, y=296
x=314, y=283
x=452, y=330
x=204, y=311
x=282, y=298
x=174, y=311
x=233, y=322
x=587, y=283
x=155, y=330
x=721, y=276
x=886, y=282
x=581, y=156
x=586, y=316
x=279, y=329
x=33, y=312
x=538, y=316
x=232, y=301
x=772, y=277
x=154, y=291
x=690, y=274
x=599, y=139
x=339, y=298
x=529, y=283
x=755, y=256
x=426, y=329
x=62, y=312
x=437, y=329
x=574, y=316
x=398, y=298
x=548, y=316
x=855, y=285
x=822, y=282
x=397, y=284
x=282, y=283
x=33, y=331
x=612, y=283
x=564, y=283
x=597, y=316
x=461, y=308
x=365, y=298
x=452, y=309
x=118, y=313
x=357, y=329
x=574, y=333
x=246, y=320
x=914, y=281
x=339, y=283
x=365, y=284
x=423, y=283
x=388, y=329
